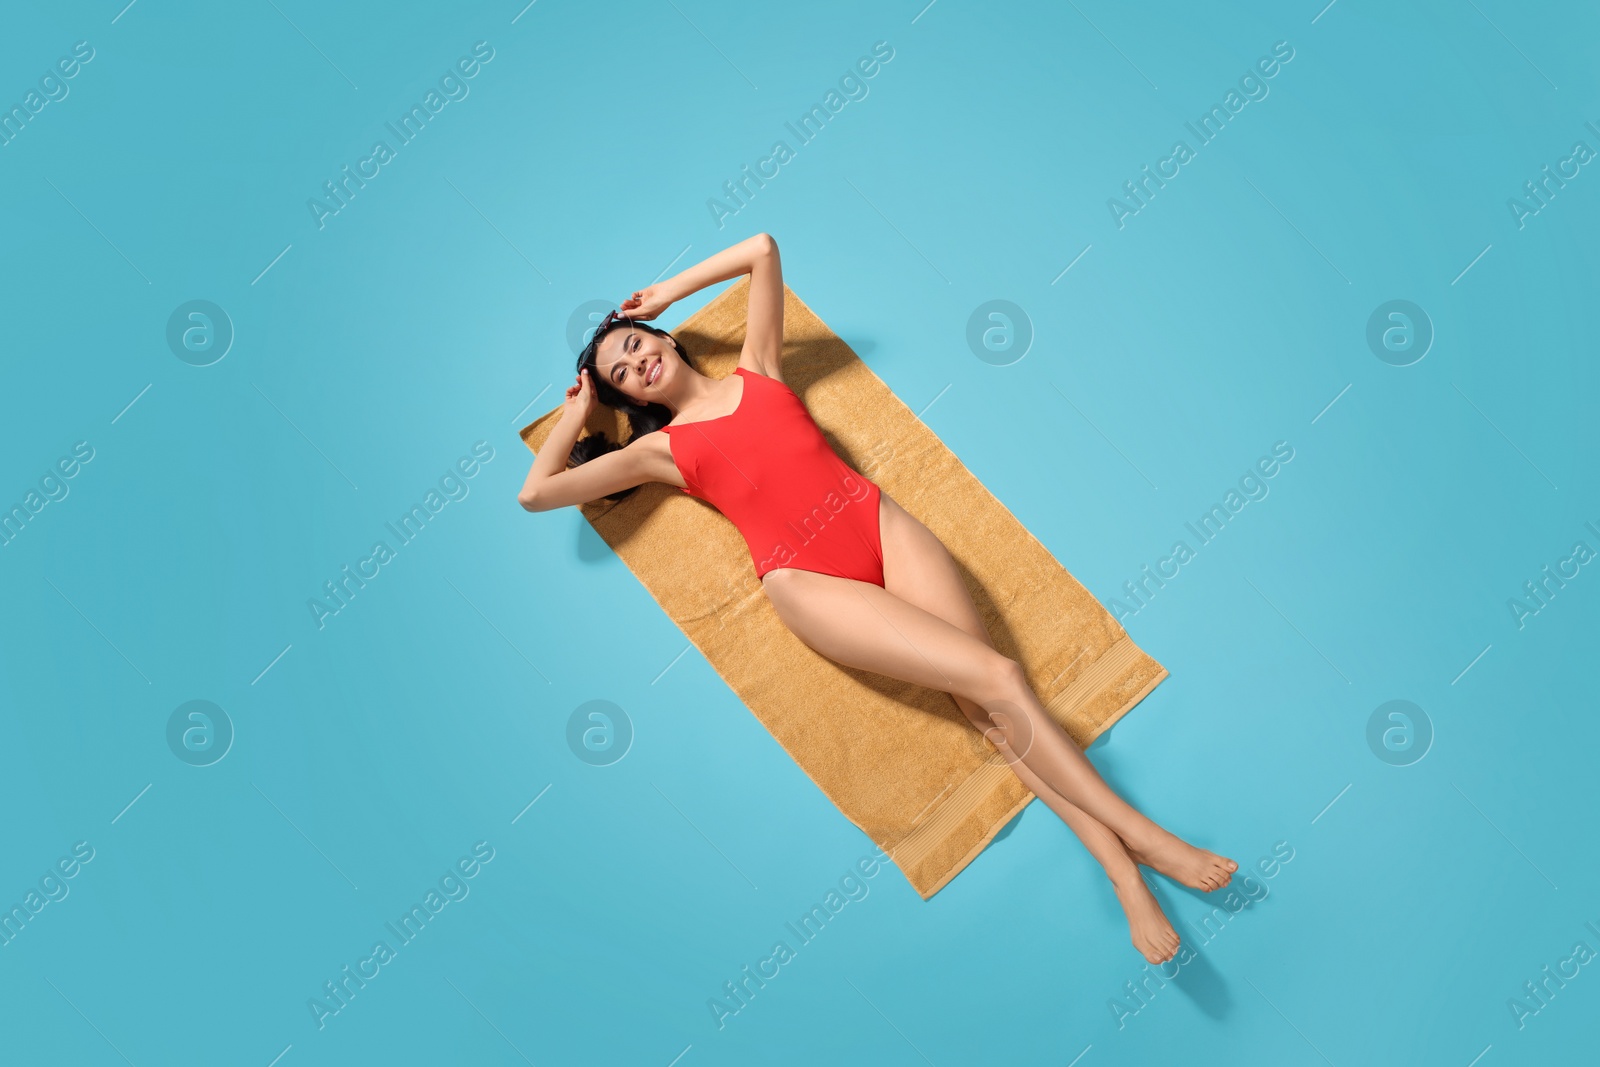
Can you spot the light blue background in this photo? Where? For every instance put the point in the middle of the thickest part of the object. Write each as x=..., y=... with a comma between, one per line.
x=426, y=715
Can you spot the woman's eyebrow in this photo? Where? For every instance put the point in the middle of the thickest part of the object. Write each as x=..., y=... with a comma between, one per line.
x=616, y=364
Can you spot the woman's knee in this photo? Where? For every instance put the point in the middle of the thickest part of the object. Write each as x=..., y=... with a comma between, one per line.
x=1002, y=678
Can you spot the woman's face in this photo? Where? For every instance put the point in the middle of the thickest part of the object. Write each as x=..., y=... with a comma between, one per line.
x=638, y=363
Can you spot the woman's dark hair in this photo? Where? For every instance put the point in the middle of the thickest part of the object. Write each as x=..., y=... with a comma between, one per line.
x=642, y=418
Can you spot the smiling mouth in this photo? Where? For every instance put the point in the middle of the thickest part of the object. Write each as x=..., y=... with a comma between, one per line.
x=653, y=373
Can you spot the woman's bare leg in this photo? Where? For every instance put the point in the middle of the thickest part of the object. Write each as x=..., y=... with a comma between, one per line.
x=866, y=626
x=1026, y=734
x=1148, y=925
x=920, y=571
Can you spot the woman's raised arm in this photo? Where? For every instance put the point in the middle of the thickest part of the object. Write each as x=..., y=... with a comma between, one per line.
x=763, y=323
x=610, y=473
x=756, y=256
x=551, y=485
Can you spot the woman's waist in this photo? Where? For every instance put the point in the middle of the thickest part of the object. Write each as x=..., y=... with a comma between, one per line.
x=793, y=490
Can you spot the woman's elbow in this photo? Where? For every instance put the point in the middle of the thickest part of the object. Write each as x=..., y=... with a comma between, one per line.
x=529, y=501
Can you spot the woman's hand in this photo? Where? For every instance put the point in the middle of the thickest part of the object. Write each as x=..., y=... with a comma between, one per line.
x=580, y=399
x=647, y=303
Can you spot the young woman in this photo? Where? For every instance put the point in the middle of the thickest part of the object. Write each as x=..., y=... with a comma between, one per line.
x=869, y=586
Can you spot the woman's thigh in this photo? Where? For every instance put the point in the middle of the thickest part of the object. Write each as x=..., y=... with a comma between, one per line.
x=865, y=626
x=918, y=569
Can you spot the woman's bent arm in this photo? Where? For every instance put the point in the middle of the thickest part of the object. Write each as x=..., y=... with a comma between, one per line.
x=758, y=257
x=763, y=320
x=610, y=473
x=552, y=458
x=729, y=263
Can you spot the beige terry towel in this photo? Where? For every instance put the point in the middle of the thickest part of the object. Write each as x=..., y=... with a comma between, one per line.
x=900, y=761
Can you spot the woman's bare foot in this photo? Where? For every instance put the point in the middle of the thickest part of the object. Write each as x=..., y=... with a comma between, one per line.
x=1153, y=935
x=1182, y=862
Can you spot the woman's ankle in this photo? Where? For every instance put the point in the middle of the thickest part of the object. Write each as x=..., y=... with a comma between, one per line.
x=1147, y=840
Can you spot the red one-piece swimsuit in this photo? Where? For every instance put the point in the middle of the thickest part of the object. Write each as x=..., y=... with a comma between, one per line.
x=768, y=468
